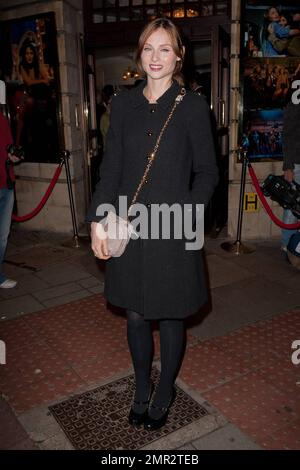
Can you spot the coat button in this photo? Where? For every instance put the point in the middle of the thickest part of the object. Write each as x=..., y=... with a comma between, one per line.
x=149, y=133
x=152, y=110
x=148, y=205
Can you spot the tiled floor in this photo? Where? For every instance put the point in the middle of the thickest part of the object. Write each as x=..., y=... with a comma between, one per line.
x=56, y=351
x=61, y=340
x=248, y=374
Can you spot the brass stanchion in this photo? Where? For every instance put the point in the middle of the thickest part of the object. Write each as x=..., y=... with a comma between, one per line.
x=238, y=247
x=65, y=156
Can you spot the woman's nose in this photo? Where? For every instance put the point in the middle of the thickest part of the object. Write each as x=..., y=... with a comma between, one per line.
x=155, y=55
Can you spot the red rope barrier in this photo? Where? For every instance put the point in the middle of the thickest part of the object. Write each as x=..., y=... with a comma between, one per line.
x=43, y=201
x=266, y=205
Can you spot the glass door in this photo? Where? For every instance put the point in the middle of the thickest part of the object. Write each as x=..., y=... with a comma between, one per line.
x=220, y=76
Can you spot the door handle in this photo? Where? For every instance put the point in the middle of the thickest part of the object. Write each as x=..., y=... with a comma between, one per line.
x=221, y=113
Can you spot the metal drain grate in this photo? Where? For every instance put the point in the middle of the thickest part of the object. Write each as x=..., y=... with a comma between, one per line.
x=97, y=419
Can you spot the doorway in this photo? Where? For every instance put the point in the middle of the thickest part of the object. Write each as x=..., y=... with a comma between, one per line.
x=220, y=80
x=209, y=62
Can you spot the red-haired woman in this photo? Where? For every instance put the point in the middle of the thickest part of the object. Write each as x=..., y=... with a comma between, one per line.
x=156, y=278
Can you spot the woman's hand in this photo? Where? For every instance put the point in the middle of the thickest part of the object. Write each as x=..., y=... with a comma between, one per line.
x=99, y=241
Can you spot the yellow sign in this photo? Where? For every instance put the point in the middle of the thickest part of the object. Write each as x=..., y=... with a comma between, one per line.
x=251, y=202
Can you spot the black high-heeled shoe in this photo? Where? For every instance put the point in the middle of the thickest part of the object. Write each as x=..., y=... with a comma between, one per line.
x=136, y=419
x=151, y=424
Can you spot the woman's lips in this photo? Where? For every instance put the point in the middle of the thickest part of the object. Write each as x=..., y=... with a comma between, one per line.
x=155, y=68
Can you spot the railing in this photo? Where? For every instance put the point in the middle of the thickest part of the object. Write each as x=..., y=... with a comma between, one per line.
x=112, y=11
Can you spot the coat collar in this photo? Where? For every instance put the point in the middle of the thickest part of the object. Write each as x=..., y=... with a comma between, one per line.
x=138, y=98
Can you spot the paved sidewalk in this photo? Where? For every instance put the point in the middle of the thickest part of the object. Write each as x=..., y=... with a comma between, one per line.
x=61, y=340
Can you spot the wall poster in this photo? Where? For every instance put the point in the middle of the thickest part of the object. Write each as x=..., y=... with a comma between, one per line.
x=29, y=67
x=270, y=63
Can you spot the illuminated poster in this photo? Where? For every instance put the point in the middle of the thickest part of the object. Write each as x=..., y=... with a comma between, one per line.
x=270, y=64
x=29, y=67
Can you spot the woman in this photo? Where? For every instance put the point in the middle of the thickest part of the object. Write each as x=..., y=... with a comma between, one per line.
x=36, y=82
x=156, y=279
x=31, y=71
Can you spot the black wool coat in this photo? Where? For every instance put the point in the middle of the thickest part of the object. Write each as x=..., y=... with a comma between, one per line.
x=158, y=278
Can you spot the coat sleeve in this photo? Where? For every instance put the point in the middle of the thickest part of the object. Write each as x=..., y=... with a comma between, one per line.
x=203, y=152
x=112, y=163
x=290, y=132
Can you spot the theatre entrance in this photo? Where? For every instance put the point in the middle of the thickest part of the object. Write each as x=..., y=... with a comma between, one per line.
x=109, y=45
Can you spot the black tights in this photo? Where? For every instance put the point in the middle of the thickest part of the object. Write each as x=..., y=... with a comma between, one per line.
x=140, y=341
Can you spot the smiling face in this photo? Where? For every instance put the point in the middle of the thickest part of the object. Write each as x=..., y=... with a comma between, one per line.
x=158, y=58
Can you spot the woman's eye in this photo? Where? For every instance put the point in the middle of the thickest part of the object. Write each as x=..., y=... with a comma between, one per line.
x=165, y=50
x=146, y=48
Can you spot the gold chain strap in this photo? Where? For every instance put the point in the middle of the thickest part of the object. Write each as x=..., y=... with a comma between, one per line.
x=152, y=155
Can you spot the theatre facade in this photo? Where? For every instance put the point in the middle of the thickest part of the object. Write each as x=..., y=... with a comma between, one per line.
x=83, y=46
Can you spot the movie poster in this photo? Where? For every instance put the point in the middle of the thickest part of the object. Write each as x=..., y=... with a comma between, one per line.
x=270, y=63
x=29, y=67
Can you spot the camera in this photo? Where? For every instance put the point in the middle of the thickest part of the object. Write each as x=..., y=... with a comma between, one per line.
x=16, y=150
x=286, y=194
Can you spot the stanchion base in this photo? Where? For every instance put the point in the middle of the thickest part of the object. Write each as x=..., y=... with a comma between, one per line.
x=238, y=248
x=77, y=242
